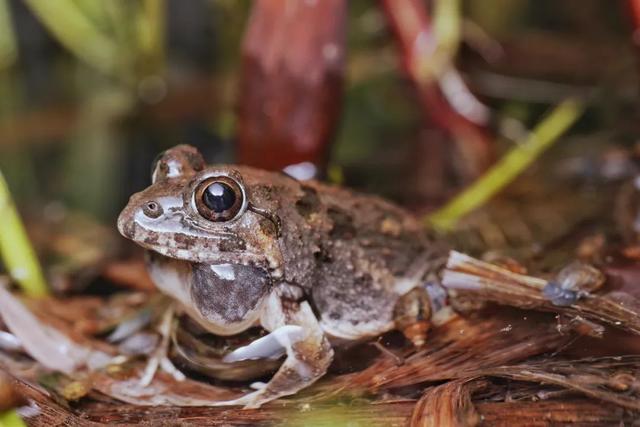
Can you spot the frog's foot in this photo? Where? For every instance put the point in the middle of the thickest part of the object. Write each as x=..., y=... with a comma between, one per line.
x=412, y=315
x=309, y=354
x=159, y=358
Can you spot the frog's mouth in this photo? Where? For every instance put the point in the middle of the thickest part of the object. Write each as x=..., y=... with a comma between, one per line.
x=198, y=246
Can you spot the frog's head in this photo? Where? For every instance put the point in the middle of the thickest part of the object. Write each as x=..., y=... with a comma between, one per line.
x=204, y=214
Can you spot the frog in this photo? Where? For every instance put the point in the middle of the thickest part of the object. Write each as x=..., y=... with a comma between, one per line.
x=317, y=266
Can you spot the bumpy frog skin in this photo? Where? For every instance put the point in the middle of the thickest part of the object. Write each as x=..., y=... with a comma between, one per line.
x=311, y=263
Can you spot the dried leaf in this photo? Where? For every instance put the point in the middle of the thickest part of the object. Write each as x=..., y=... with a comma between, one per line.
x=447, y=405
x=47, y=345
x=611, y=379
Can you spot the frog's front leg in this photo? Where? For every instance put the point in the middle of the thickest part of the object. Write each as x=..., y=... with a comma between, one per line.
x=309, y=353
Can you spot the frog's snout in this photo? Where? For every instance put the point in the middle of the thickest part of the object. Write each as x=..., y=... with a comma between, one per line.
x=127, y=218
x=126, y=225
x=146, y=210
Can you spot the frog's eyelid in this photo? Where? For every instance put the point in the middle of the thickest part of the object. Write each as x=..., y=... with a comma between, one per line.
x=154, y=166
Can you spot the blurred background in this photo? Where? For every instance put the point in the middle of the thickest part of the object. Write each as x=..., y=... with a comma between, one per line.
x=410, y=99
x=510, y=126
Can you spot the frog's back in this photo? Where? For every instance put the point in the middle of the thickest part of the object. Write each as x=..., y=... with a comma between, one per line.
x=355, y=254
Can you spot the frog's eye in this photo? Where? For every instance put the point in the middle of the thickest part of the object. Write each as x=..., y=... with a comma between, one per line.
x=219, y=198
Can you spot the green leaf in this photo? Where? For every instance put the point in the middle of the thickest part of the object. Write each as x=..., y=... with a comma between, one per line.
x=510, y=166
x=15, y=248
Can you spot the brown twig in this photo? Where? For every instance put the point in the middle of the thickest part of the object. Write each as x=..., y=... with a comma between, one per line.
x=469, y=277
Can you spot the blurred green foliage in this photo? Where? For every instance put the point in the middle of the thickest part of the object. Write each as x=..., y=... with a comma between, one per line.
x=11, y=419
x=90, y=91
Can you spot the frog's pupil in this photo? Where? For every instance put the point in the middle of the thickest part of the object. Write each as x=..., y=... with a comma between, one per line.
x=219, y=197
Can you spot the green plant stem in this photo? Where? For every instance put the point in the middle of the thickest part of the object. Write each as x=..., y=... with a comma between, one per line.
x=447, y=25
x=8, y=50
x=150, y=26
x=77, y=32
x=11, y=419
x=15, y=248
x=511, y=165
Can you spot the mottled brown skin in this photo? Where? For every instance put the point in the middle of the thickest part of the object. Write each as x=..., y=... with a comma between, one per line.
x=301, y=253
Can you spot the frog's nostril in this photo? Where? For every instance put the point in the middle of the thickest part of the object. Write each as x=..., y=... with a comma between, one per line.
x=152, y=209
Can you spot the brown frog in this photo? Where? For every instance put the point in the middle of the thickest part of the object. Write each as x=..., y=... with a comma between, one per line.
x=313, y=264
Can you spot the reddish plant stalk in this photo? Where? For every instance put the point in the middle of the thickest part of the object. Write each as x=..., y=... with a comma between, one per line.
x=411, y=26
x=291, y=82
x=634, y=13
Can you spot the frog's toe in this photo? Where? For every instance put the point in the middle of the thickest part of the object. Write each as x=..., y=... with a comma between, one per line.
x=249, y=401
x=167, y=365
x=271, y=346
x=255, y=400
x=258, y=385
x=160, y=362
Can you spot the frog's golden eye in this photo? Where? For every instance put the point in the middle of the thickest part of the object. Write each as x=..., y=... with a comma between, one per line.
x=219, y=198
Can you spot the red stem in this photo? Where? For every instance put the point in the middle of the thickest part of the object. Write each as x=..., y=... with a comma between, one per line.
x=412, y=28
x=291, y=82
